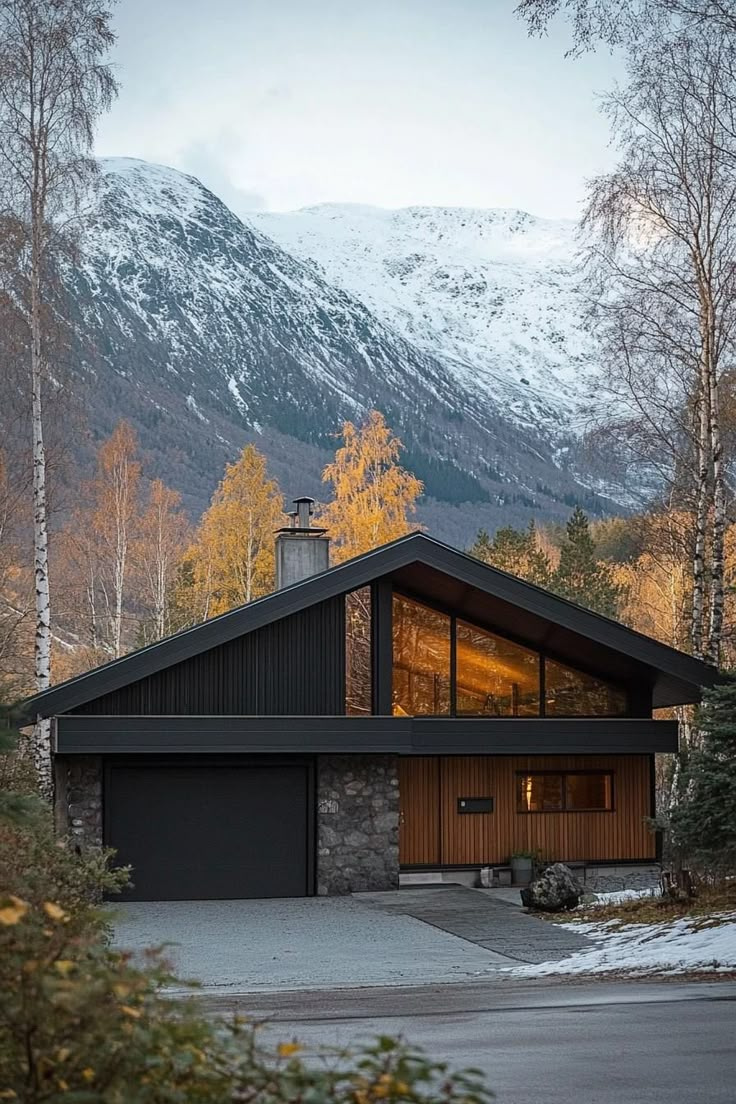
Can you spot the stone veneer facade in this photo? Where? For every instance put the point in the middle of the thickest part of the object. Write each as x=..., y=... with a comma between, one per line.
x=357, y=823
x=357, y=817
x=78, y=803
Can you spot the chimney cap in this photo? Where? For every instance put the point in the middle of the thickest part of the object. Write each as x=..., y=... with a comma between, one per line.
x=301, y=519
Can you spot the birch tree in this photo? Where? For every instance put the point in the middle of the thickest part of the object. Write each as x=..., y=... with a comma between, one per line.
x=232, y=559
x=373, y=496
x=662, y=269
x=54, y=82
x=621, y=22
x=159, y=544
x=115, y=520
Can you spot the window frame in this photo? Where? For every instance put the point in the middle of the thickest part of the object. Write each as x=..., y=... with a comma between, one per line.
x=563, y=775
x=624, y=690
x=499, y=636
x=543, y=654
x=451, y=695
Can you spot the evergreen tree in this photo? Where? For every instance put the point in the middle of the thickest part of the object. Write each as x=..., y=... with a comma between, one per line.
x=581, y=577
x=481, y=547
x=703, y=823
x=516, y=551
x=18, y=803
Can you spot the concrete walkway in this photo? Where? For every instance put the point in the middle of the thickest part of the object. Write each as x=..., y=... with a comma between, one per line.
x=489, y=918
x=409, y=937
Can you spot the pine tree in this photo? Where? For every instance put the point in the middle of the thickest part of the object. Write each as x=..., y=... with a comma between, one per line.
x=703, y=823
x=482, y=547
x=516, y=551
x=582, y=578
x=373, y=494
x=18, y=803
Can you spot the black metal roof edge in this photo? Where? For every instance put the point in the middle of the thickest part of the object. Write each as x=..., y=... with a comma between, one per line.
x=347, y=576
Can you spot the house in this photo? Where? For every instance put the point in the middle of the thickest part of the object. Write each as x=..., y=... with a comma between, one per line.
x=410, y=709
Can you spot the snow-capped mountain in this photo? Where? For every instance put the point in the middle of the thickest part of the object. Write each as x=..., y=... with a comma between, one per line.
x=207, y=332
x=490, y=292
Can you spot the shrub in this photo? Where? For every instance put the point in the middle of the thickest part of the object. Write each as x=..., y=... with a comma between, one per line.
x=83, y=1024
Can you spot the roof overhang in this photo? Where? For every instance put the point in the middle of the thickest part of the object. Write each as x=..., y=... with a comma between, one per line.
x=85, y=734
x=416, y=561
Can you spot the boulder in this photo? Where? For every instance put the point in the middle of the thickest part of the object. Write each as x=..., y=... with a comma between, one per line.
x=554, y=890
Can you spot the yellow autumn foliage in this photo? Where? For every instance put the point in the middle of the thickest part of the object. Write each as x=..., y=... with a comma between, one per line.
x=373, y=496
x=231, y=560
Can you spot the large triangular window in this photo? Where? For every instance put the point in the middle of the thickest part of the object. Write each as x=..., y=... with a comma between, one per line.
x=447, y=666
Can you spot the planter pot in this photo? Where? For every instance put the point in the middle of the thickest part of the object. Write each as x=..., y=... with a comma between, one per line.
x=522, y=871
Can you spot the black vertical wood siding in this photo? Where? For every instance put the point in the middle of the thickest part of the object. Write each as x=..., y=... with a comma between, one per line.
x=294, y=666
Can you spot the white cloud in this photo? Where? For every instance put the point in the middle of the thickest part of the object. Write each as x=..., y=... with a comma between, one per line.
x=302, y=101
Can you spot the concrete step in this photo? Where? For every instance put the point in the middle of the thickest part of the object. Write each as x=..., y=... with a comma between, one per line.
x=439, y=877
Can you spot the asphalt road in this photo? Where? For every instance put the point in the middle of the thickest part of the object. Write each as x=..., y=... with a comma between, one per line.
x=628, y=1042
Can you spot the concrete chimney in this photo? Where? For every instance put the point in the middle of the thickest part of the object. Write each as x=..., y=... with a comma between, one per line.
x=301, y=549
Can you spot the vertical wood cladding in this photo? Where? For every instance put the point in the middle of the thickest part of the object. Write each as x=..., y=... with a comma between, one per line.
x=419, y=810
x=292, y=666
x=429, y=793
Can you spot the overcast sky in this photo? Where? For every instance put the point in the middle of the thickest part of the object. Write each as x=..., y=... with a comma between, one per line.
x=281, y=104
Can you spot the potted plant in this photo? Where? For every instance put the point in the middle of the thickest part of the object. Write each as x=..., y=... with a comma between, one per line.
x=522, y=867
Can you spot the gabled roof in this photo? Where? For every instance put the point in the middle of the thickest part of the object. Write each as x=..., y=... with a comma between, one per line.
x=683, y=674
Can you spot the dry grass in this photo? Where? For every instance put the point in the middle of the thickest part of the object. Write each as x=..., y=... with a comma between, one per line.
x=704, y=909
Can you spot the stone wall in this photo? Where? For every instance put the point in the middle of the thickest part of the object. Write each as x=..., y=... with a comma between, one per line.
x=357, y=823
x=79, y=799
x=611, y=879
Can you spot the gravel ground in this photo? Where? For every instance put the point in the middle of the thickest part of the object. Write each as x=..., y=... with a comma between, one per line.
x=300, y=943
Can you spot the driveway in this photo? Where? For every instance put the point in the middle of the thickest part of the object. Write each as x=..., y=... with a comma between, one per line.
x=609, y=1042
x=409, y=937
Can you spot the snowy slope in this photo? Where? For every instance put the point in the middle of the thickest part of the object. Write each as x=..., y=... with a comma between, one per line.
x=206, y=332
x=490, y=292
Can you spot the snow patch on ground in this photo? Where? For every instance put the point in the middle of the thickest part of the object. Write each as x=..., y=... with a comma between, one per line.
x=618, y=896
x=673, y=947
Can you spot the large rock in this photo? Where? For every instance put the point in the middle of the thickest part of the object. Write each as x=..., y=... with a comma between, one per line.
x=553, y=891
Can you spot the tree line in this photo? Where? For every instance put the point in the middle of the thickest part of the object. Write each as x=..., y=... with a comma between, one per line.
x=128, y=566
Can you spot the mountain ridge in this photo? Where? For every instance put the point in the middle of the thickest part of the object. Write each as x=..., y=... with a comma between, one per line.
x=206, y=332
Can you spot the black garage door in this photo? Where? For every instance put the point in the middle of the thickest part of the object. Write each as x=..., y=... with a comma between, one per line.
x=198, y=832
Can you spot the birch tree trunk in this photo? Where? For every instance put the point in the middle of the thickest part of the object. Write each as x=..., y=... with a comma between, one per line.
x=42, y=644
x=121, y=556
x=54, y=84
x=715, y=628
x=697, y=630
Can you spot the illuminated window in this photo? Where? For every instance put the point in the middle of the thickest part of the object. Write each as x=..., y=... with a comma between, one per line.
x=421, y=659
x=568, y=792
x=358, y=667
x=571, y=693
x=495, y=678
x=539, y=793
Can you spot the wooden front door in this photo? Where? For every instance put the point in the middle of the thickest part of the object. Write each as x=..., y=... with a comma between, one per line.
x=430, y=829
x=419, y=811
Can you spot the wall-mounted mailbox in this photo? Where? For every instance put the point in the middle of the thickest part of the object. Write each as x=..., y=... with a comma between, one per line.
x=475, y=804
